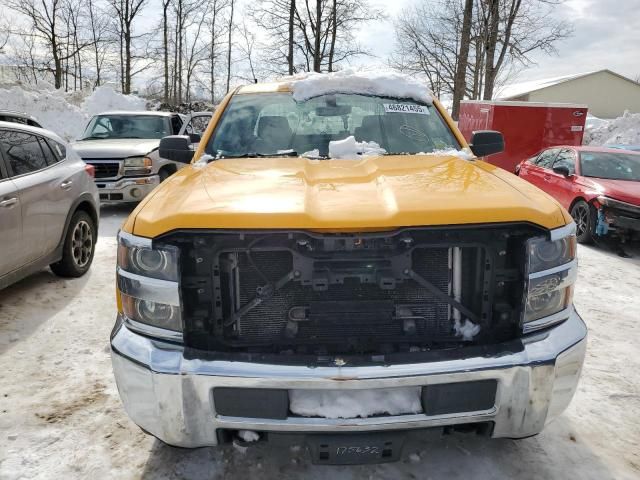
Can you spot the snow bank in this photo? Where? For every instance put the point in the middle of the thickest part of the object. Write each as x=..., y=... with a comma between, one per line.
x=383, y=83
x=624, y=130
x=49, y=107
x=355, y=403
x=350, y=149
x=106, y=98
x=55, y=109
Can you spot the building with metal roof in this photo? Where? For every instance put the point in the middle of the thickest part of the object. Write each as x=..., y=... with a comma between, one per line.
x=607, y=93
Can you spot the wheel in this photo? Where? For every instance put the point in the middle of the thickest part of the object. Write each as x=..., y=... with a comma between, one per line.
x=581, y=213
x=163, y=174
x=79, y=247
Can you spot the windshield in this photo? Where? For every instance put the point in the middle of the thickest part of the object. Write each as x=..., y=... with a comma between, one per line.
x=275, y=124
x=612, y=166
x=127, y=126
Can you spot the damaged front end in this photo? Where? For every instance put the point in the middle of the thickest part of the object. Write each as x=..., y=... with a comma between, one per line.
x=313, y=293
x=616, y=217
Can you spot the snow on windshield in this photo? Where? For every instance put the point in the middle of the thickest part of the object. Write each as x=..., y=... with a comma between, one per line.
x=348, y=148
x=382, y=83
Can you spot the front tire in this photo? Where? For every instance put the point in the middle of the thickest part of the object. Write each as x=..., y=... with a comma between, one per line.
x=79, y=247
x=584, y=219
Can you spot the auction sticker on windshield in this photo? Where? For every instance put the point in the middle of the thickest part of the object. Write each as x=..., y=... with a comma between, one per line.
x=405, y=108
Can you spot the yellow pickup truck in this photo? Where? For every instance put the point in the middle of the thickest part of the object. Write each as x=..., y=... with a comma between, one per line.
x=337, y=268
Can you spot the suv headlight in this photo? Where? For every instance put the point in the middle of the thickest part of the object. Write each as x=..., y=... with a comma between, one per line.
x=148, y=286
x=552, y=271
x=137, y=166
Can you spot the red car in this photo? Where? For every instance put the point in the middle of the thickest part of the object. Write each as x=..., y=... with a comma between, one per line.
x=600, y=187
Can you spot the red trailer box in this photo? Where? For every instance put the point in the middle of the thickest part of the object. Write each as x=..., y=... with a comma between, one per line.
x=528, y=127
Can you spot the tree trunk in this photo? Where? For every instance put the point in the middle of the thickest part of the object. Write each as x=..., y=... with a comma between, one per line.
x=121, y=59
x=179, y=47
x=165, y=44
x=490, y=48
x=127, y=58
x=334, y=32
x=229, y=46
x=292, y=14
x=460, y=81
x=317, y=60
x=57, y=65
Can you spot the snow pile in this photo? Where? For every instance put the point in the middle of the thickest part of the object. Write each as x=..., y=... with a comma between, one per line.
x=451, y=152
x=624, y=130
x=355, y=403
x=350, y=149
x=55, y=109
x=106, y=98
x=382, y=83
x=49, y=107
x=594, y=122
x=466, y=330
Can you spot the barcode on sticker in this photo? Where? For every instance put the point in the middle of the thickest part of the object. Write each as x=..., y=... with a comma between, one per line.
x=405, y=108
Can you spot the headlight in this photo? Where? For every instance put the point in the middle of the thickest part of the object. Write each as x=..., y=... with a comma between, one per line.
x=137, y=162
x=147, y=278
x=545, y=254
x=552, y=271
x=613, y=203
x=137, y=166
x=159, y=315
x=143, y=260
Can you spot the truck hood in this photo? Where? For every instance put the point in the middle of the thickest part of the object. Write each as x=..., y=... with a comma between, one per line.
x=368, y=194
x=623, y=190
x=115, y=147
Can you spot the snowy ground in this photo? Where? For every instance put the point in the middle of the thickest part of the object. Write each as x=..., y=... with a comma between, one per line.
x=60, y=416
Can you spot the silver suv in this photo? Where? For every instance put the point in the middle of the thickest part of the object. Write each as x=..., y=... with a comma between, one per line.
x=48, y=205
x=122, y=146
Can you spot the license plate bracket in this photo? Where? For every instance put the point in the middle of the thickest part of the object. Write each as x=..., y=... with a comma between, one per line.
x=356, y=448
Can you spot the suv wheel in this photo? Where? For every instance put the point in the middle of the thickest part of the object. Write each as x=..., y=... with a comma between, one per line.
x=79, y=247
x=581, y=213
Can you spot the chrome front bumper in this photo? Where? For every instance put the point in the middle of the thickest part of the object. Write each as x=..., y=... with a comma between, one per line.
x=171, y=396
x=127, y=189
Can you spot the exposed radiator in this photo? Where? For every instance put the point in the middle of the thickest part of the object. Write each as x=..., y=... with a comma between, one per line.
x=353, y=311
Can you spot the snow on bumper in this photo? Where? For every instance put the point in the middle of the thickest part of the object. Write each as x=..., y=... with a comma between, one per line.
x=171, y=395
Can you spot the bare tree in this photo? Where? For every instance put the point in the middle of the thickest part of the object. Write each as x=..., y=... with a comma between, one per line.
x=247, y=48
x=215, y=37
x=432, y=40
x=165, y=47
x=459, y=83
x=196, y=49
x=98, y=25
x=229, y=43
x=126, y=11
x=47, y=22
x=318, y=34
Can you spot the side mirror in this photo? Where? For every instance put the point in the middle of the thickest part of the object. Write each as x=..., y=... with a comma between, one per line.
x=176, y=148
x=486, y=142
x=562, y=170
x=195, y=137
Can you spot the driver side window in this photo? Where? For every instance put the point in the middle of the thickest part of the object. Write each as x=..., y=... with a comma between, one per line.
x=566, y=158
x=546, y=158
